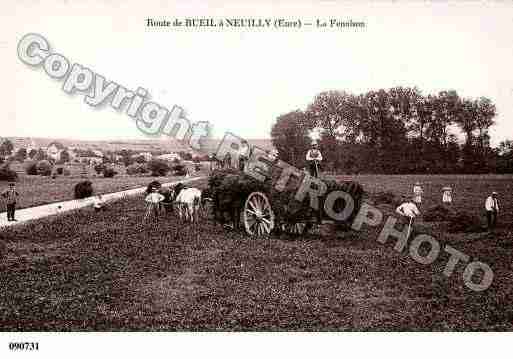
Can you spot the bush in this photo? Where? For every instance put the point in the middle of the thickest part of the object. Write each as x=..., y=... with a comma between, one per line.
x=83, y=189
x=44, y=168
x=135, y=169
x=109, y=173
x=6, y=174
x=179, y=170
x=158, y=167
x=99, y=168
x=31, y=168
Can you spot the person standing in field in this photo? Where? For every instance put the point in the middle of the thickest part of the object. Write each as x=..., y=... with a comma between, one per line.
x=417, y=193
x=153, y=203
x=314, y=158
x=492, y=210
x=10, y=195
x=408, y=211
x=244, y=152
x=447, y=195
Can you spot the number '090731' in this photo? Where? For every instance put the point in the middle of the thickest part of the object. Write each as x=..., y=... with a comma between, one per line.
x=26, y=346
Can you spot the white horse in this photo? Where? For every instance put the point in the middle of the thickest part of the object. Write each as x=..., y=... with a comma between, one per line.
x=188, y=203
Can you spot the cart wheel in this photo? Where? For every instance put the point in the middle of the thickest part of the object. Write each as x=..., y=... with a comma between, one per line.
x=258, y=215
x=296, y=229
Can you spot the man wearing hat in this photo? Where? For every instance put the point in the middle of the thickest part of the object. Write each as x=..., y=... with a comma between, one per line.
x=492, y=209
x=10, y=195
x=417, y=193
x=408, y=211
x=314, y=157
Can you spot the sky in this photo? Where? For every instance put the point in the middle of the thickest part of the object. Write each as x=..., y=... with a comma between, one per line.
x=241, y=80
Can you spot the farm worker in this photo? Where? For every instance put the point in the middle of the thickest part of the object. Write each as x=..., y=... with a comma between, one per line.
x=447, y=195
x=10, y=196
x=408, y=210
x=227, y=161
x=417, y=193
x=313, y=157
x=98, y=203
x=492, y=209
x=244, y=152
x=153, y=203
x=167, y=202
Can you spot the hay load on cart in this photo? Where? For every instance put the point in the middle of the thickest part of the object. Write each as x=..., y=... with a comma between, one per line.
x=260, y=208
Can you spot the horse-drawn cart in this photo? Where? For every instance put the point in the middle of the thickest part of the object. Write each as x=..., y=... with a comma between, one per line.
x=261, y=208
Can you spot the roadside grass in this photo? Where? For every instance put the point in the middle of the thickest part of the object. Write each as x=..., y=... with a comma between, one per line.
x=39, y=190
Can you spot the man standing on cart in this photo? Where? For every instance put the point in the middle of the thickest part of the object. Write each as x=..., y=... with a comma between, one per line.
x=314, y=158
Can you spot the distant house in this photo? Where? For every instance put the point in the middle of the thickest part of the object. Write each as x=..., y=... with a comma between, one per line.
x=170, y=157
x=32, y=146
x=54, y=149
x=91, y=160
x=98, y=153
x=147, y=156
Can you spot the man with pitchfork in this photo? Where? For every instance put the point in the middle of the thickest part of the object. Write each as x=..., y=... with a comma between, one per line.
x=314, y=157
x=408, y=210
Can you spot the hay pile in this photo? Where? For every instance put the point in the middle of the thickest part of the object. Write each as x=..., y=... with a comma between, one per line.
x=231, y=187
x=458, y=221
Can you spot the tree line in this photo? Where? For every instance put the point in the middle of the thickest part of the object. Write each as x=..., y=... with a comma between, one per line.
x=395, y=131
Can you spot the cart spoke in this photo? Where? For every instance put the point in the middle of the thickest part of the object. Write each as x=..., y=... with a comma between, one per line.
x=252, y=206
x=266, y=221
x=250, y=211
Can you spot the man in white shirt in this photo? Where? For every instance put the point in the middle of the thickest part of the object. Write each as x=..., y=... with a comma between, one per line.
x=153, y=203
x=314, y=157
x=417, y=193
x=408, y=210
x=492, y=209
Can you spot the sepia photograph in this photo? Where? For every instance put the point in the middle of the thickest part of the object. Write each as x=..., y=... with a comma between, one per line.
x=283, y=176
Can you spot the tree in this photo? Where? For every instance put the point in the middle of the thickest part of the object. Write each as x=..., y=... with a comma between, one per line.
x=44, y=168
x=21, y=154
x=336, y=113
x=504, y=155
x=186, y=156
x=32, y=153
x=158, y=167
x=289, y=135
x=466, y=120
x=140, y=159
x=6, y=148
x=65, y=157
x=40, y=155
x=486, y=111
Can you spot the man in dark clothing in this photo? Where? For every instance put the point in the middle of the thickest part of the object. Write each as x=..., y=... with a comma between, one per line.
x=10, y=196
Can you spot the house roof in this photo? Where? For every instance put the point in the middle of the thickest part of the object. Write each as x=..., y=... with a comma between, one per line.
x=59, y=145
